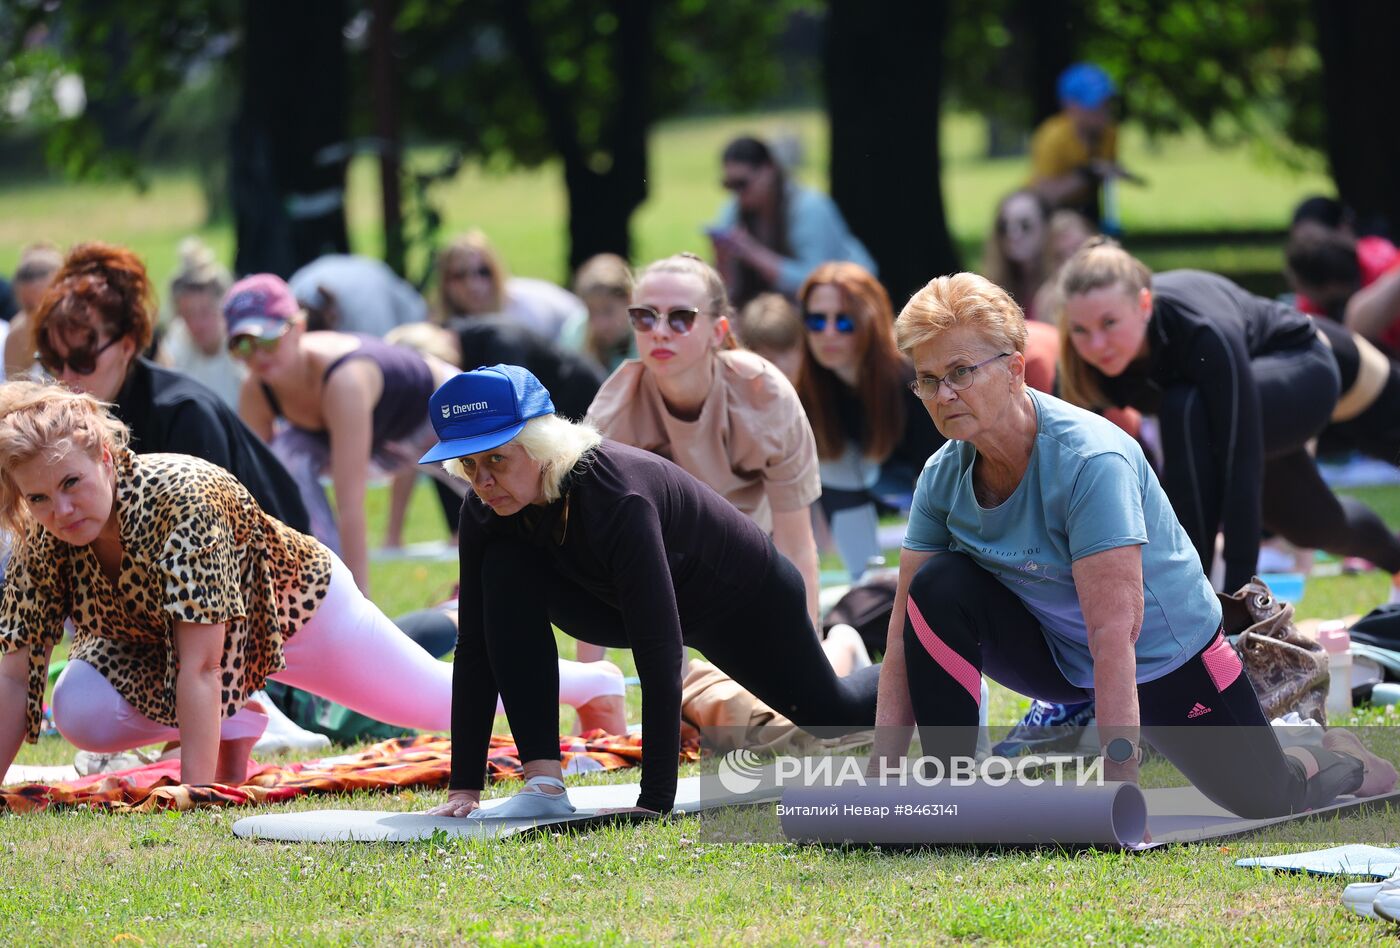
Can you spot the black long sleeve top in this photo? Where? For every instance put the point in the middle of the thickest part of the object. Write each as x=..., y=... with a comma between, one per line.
x=1204, y=332
x=641, y=535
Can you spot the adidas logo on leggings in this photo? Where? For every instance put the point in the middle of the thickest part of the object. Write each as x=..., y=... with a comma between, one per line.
x=1198, y=710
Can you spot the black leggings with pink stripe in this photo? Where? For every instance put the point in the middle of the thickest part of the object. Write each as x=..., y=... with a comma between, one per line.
x=1204, y=716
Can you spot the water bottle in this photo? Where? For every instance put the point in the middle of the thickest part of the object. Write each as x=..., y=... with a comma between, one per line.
x=1336, y=641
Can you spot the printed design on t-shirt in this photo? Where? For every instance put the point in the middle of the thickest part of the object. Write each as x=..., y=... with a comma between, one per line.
x=1026, y=566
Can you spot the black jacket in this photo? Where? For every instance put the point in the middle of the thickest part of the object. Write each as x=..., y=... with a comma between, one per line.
x=170, y=412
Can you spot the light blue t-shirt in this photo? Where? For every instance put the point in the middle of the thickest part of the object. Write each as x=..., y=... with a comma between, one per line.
x=816, y=232
x=1087, y=489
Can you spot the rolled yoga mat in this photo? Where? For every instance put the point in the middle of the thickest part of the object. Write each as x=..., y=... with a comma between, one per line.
x=1114, y=814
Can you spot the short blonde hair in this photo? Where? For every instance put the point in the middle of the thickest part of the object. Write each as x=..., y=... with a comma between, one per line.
x=769, y=322
x=427, y=339
x=1098, y=264
x=604, y=274
x=39, y=419
x=961, y=300
x=556, y=444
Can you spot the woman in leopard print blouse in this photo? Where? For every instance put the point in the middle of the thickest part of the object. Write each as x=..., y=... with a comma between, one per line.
x=184, y=597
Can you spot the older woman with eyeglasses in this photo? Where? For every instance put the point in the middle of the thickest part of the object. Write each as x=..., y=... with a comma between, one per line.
x=91, y=328
x=726, y=416
x=774, y=231
x=348, y=399
x=1042, y=551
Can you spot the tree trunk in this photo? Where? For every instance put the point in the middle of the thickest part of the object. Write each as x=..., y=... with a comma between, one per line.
x=1050, y=29
x=386, y=129
x=883, y=75
x=289, y=149
x=1359, y=68
x=602, y=195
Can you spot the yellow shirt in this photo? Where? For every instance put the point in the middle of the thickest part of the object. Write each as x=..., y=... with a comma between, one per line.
x=1056, y=149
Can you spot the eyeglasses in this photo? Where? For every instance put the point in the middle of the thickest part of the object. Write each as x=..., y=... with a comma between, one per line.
x=483, y=271
x=245, y=344
x=80, y=361
x=736, y=184
x=926, y=386
x=681, y=320
x=817, y=322
x=1019, y=225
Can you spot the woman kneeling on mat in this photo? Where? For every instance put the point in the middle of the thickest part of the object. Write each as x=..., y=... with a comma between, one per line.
x=1042, y=551
x=184, y=597
x=618, y=547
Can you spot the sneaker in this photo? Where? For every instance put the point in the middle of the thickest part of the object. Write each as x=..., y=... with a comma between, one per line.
x=87, y=763
x=1386, y=903
x=283, y=734
x=1360, y=897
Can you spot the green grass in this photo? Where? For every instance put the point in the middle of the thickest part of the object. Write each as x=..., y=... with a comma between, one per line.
x=85, y=878
x=1193, y=186
x=88, y=878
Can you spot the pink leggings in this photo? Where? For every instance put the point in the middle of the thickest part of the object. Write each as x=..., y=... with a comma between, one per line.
x=348, y=651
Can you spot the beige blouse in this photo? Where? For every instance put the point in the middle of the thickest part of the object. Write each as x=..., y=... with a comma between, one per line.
x=752, y=442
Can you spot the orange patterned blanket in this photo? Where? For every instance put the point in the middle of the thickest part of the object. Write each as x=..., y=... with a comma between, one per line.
x=420, y=762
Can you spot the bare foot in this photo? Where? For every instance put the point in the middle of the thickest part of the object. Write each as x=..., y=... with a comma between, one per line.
x=608, y=712
x=1379, y=774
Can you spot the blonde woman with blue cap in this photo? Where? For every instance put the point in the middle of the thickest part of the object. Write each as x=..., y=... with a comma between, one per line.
x=617, y=547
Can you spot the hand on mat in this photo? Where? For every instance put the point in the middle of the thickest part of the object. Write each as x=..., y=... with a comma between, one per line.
x=459, y=803
x=612, y=810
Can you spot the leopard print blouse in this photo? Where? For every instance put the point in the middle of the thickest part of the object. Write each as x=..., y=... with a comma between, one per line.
x=195, y=547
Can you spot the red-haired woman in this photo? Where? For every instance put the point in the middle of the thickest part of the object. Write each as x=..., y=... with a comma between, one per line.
x=91, y=328
x=855, y=388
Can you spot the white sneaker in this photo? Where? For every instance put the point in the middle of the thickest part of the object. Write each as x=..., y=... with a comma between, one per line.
x=1386, y=904
x=87, y=763
x=282, y=733
x=1360, y=897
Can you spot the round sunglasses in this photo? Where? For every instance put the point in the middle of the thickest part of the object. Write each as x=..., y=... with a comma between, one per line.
x=817, y=322
x=79, y=361
x=680, y=320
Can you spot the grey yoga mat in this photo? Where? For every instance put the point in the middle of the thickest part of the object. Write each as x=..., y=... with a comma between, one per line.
x=1016, y=815
x=330, y=826
x=1113, y=815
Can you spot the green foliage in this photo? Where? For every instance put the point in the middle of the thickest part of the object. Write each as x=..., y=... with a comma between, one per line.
x=469, y=87
x=1237, y=70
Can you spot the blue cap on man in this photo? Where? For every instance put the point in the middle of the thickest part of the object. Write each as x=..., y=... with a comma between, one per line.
x=483, y=409
x=1085, y=85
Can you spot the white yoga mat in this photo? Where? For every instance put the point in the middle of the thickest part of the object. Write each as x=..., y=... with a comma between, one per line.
x=330, y=826
x=1353, y=860
x=21, y=774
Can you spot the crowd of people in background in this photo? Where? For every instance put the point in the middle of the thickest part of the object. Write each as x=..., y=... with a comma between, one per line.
x=774, y=376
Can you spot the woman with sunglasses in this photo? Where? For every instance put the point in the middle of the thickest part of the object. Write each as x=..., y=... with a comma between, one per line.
x=91, y=328
x=774, y=231
x=473, y=282
x=348, y=400
x=726, y=416
x=1240, y=385
x=869, y=426
x=1017, y=254
x=619, y=548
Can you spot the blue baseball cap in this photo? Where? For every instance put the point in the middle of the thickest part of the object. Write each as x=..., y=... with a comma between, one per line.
x=483, y=409
x=1085, y=85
